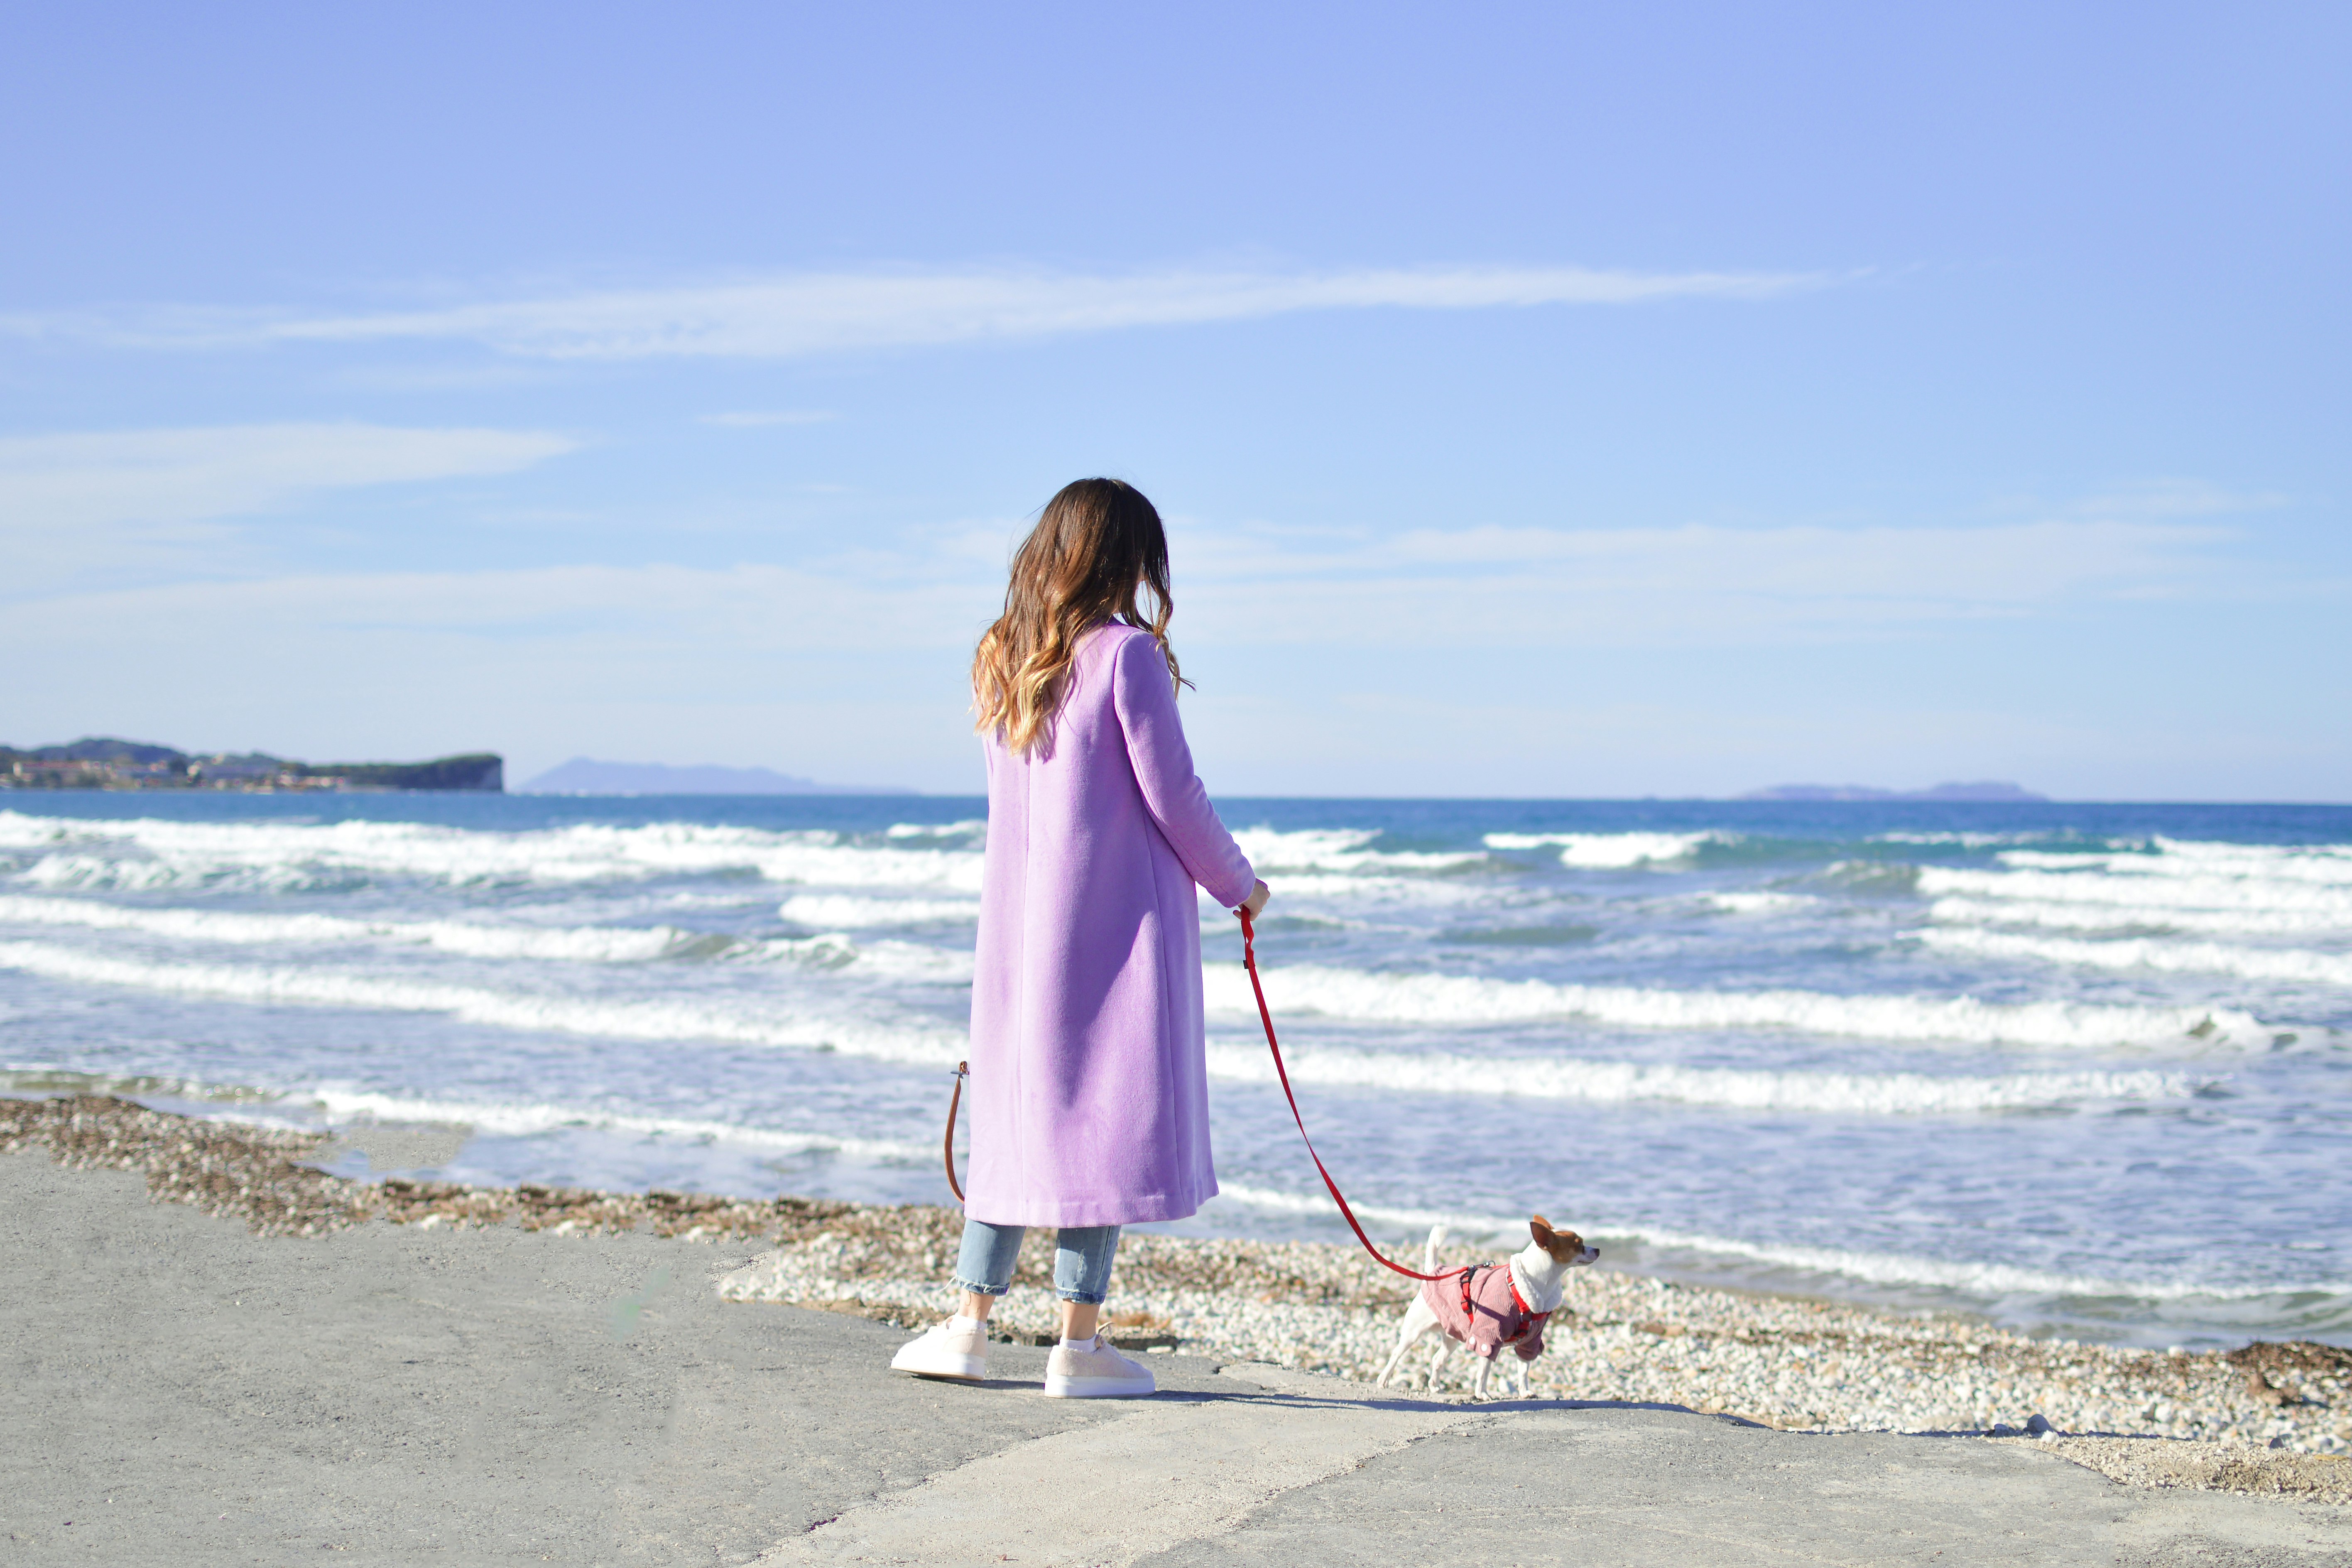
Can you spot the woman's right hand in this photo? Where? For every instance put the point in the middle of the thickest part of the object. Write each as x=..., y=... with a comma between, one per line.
x=1254, y=905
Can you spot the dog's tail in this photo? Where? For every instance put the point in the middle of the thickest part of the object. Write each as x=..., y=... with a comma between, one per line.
x=1429, y=1249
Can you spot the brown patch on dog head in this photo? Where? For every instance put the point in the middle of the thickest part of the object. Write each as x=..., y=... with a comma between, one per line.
x=1565, y=1245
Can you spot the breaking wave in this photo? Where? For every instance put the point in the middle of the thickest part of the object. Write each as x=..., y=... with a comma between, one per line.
x=1341, y=850
x=2174, y=957
x=2111, y=917
x=2144, y=893
x=640, y=1019
x=144, y=853
x=594, y=944
x=344, y=1106
x=1610, y=852
x=1883, y=1268
x=1622, y=1083
x=1455, y=999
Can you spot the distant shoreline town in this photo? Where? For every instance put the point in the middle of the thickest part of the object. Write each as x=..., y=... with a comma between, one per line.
x=103, y=762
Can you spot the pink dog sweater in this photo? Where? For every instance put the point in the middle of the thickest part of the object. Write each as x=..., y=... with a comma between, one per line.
x=1483, y=1310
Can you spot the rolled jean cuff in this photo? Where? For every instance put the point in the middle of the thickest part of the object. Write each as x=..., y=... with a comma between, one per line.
x=970, y=1288
x=1085, y=1298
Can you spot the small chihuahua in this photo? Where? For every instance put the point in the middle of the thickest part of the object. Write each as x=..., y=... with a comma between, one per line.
x=1494, y=1305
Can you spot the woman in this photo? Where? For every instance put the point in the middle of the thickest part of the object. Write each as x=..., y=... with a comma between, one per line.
x=1090, y=1081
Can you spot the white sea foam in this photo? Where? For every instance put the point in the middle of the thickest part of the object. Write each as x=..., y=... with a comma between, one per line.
x=884, y=960
x=2143, y=893
x=1974, y=1277
x=1759, y=903
x=1341, y=850
x=2326, y=865
x=279, y=856
x=1622, y=1083
x=344, y=1106
x=735, y=1019
x=2111, y=917
x=1981, y=1280
x=970, y=828
x=1470, y=1000
x=852, y=911
x=591, y=944
x=1610, y=852
x=596, y=944
x=1375, y=891
x=2142, y=952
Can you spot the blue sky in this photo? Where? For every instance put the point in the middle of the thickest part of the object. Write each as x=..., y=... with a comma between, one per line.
x=1571, y=400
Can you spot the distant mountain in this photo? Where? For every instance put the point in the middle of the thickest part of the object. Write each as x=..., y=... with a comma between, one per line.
x=586, y=775
x=1985, y=791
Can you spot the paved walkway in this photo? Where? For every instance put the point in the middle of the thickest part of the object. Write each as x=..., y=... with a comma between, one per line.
x=180, y=1392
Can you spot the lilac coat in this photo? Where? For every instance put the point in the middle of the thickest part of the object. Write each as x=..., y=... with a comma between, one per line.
x=1090, y=1088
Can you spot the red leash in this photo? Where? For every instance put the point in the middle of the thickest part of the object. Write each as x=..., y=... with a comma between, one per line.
x=1249, y=962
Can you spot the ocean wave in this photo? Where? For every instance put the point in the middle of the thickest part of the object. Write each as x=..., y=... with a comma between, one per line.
x=1610, y=852
x=590, y=944
x=2142, y=953
x=143, y=853
x=314, y=985
x=1471, y=1000
x=852, y=911
x=1962, y=1276
x=2325, y=864
x=1624, y=1083
x=1372, y=891
x=345, y=1107
x=1759, y=903
x=970, y=828
x=1341, y=850
x=2110, y=917
x=886, y=959
x=596, y=944
x=2151, y=893
x=1976, y=840
x=1969, y=1276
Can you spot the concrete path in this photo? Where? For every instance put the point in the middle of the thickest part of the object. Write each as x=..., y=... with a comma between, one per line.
x=178, y=1392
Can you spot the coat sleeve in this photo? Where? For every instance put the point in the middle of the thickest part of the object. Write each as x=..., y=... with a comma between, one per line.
x=1172, y=791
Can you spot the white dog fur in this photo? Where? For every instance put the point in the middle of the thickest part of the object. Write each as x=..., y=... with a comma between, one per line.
x=1541, y=1273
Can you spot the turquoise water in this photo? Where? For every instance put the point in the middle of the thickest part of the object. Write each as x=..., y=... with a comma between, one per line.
x=2079, y=1067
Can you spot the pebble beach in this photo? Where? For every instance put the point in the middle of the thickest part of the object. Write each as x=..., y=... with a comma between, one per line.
x=2264, y=1417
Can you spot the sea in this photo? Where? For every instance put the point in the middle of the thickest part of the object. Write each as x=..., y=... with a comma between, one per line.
x=2084, y=1071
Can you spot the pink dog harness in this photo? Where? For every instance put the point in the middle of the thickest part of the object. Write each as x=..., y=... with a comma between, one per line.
x=1486, y=1313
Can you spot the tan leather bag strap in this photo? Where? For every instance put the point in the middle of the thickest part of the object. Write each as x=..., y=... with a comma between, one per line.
x=964, y=1070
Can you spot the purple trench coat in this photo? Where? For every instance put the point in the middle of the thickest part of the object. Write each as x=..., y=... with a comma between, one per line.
x=1090, y=1088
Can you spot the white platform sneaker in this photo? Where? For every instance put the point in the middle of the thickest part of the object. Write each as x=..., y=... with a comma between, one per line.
x=953, y=1349
x=1098, y=1374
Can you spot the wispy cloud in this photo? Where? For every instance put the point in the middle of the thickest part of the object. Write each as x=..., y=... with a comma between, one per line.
x=73, y=500
x=1530, y=587
x=790, y=315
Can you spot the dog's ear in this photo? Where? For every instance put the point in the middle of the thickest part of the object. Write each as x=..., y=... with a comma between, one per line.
x=1541, y=1229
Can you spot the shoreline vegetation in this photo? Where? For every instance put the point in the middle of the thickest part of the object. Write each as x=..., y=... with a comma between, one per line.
x=2267, y=1418
x=104, y=761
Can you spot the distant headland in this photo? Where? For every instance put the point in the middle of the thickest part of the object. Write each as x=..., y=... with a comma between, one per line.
x=586, y=775
x=102, y=762
x=1987, y=791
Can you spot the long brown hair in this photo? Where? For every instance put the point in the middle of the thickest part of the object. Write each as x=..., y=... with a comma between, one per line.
x=1097, y=548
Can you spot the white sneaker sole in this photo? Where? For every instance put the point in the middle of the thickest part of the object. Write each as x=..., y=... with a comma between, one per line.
x=953, y=1368
x=1099, y=1387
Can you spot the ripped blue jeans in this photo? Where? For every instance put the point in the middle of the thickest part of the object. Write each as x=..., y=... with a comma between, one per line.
x=1082, y=1256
